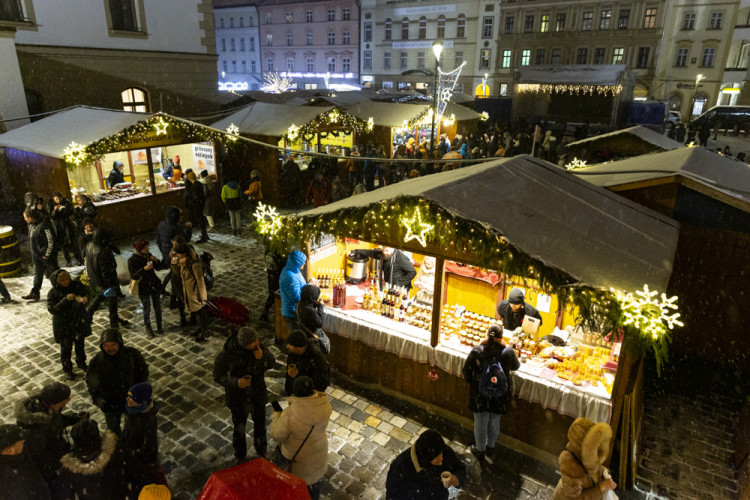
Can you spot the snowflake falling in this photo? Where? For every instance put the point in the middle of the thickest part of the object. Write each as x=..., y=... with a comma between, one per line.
x=650, y=316
x=276, y=84
x=576, y=163
x=233, y=132
x=75, y=153
x=268, y=219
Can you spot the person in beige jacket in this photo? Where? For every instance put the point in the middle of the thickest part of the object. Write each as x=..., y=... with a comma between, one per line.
x=187, y=265
x=583, y=475
x=307, y=408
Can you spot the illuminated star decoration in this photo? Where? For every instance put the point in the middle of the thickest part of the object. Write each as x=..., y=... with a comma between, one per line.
x=416, y=229
x=268, y=219
x=576, y=163
x=334, y=116
x=485, y=116
x=650, y=316
x=75, y=153
x=449, y=120
x=233, y=132
x=370, y=124
x=292, y=132
x=161, y=127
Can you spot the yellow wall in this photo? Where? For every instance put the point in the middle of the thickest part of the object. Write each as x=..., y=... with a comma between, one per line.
x=475, y=295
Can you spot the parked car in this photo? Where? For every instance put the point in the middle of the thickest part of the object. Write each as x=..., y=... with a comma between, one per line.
x=673, y=119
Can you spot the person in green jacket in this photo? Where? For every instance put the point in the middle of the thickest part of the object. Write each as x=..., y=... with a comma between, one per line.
x=230, y=196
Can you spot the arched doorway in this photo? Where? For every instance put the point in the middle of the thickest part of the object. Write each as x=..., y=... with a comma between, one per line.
x=482, y=90
x=699, y=104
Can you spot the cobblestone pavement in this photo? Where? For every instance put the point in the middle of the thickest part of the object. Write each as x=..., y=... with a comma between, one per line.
x=366, y=432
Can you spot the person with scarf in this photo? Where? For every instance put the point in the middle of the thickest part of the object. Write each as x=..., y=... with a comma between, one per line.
x=194, y=294
x=71, y=323
x=230, y=196
x=140, y=437
x=142, y=267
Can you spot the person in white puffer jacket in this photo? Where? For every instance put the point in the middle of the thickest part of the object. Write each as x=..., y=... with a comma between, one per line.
x=307, y=408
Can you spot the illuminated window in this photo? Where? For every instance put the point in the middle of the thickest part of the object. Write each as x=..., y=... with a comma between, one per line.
x=544, y=23
x=587, y=21
x=618, y=55
x=135, y=99
x=506, y=58
x=525, y=57
x=560, y=22
x=269, y=39
x=649, y=20
x=605, y=19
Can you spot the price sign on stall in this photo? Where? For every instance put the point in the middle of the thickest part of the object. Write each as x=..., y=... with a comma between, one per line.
x=433, y=375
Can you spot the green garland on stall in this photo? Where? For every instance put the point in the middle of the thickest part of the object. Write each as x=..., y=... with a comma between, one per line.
x=335, y=117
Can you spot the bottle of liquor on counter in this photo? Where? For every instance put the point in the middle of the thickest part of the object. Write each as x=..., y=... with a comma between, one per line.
x=383, y=306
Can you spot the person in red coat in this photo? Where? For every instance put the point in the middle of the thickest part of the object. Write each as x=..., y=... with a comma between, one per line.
x=319, y=190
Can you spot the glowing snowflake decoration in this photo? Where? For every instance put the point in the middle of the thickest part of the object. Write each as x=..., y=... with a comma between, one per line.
x=652, y=317
x=233, y=132
x=485, y=116
x=268, y=219
x=416, y=229
x=576, y=163
x=370, y=124
x=276, y=84
x=161, y=127
x=75, y=153
x=334, y=116
x=449, y=120
x=292, y=132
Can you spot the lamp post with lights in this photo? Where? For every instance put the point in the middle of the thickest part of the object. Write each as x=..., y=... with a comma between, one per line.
x=437, y=49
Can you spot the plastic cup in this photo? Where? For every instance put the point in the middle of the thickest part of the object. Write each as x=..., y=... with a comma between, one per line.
x=445, y=477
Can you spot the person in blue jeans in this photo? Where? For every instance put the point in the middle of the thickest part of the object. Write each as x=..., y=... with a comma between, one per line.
x=43, y=251
x=291, y=282
x=488, y=409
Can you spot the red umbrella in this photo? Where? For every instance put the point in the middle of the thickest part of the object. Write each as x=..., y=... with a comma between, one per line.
x=229, y=310
x=257, y=479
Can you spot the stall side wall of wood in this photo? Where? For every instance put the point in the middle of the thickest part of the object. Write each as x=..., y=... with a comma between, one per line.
x=32, y=172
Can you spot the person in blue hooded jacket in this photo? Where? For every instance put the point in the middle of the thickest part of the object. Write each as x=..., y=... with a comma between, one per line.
x=290, y=286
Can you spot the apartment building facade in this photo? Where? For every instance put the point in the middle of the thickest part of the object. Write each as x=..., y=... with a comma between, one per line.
x=315, y=43
x=238, y=45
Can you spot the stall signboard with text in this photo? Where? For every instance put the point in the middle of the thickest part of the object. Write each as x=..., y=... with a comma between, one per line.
x=140, y=158
x=203, y=158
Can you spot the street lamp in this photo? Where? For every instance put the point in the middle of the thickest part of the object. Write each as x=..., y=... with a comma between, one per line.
x=437, y=48
x=484, y=85
x=695, y=94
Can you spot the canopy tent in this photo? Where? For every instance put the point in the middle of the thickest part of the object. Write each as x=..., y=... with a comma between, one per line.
x=395, y=114
x=574, y=74
x=273, y=120
x=636, y=140
x=82, y=124
x=594, y=236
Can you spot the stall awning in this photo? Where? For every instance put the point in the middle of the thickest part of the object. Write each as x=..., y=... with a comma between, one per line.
x=597, y=237
x=717, y=172
x=387, y=114
x=82, y=124
x=639, y=134
x=272, y=120
x=573, y=74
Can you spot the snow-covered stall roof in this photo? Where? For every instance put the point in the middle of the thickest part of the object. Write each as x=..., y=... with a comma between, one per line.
x=636, y=133
x=389, y=114
x=574, y=74
x=595, y=236
x=82, y=124
x=273, y=120
x=701, y=165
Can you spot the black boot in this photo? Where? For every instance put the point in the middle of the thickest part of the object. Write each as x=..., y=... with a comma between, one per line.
x=150, y=331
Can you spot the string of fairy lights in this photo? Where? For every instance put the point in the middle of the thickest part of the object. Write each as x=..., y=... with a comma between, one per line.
x=545, y=88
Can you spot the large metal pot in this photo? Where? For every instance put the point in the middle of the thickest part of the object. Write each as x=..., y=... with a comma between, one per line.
x=356, y=267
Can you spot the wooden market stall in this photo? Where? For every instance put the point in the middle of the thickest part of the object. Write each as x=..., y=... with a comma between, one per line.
x=512, y=223
x=73, y=151
x=624, y=143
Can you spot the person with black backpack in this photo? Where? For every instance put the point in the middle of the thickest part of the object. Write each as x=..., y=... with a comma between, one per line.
x=487, y=370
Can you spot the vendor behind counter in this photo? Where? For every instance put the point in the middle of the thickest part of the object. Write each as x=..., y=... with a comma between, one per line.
x=513, y=310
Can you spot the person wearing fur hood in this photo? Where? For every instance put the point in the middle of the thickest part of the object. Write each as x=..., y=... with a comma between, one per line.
x=581, y=466
x=94, y=470
x=308, y=412
x=194, y=293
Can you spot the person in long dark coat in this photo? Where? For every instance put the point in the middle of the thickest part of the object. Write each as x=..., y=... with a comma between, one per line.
x=310, y=310
x=165, y=233
x=60, y=212
x=83, y=208
x=195, y=201
x=43, y=251
x=101, y=269
x=19, y=477
x=71, y=323
x=143, y=266
x=306, y=359
x=140, y=437
x=111, y=373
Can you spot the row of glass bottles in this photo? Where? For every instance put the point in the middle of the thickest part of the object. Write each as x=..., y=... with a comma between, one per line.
x=328, y=278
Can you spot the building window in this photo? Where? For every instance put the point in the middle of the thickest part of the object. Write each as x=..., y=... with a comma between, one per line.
x=346, y=38
x=224, y=65
x=503, y=89
x=250, y=22
x=708, y=57
x=484, y=59
x=289, y=18
x=529, y=25
x=231, y=22
x=461, y=26
x=346, y=63
x=242, y=22
x=308, y=39
x=234, y=66
x=269, y=39
x=404, y=60
x=487, y=27
x=242, y=44
x=331, y=38
x=716, y=18
x=420, y=60
x=388, y=28
x=135, y=99
x=556, y=56
x=252, y=44
x=587, y=21
x=583, y=56
x=268, y=18
x=618, y=55
x=253, y=68
x=525, y=57
x=688, y=22
x=386, y=59
x=675, y=102
x=441, y=27
x=346, y=14
x=623, y=21
x=125, y=15
x=681, y=59
x=366, y=62
x=289, y=39
x=422, y=28
x=539, y=57
x=3, y=15
x=269, y=63
x=231, y=44
x=332, y=64
x=560, y=22
x=649, y=20
x=387, y=85
x=331, y=14
x=642, y=62
x=290, y=64
x=506, y=58
x=405, y=28
x=223, y=44
x=458, y=58
x=310, y=62
x=544, y=23
x=599, y=55
x=308, y=16
x=605, y=18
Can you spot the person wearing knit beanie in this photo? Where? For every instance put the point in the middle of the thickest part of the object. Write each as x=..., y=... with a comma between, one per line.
x=305, y=359
x=19, y=476
x=155, y=492
x=55, y=394
x=247, y=336
x=513, y=310
x=297, y=338
x=140, y=436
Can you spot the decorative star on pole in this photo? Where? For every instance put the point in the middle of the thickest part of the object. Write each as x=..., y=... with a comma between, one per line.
x=416, y=229
x=233, y=132
x=75, y=153
x=161, y=127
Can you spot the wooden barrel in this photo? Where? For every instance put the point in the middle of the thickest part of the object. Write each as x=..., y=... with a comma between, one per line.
x=10, y=253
